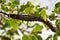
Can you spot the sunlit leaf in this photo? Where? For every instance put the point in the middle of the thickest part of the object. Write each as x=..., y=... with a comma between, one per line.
x=13, y=23
x=37, y=28
x=29, y=10
x=12, y=0
x=26, y=37
x=43, y=14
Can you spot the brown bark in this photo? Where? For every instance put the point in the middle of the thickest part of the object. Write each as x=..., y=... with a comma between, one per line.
x=31, y=18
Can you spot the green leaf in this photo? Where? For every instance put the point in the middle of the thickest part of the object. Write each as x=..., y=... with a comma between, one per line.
x=37, y=28
x=58, y=32
x=16, y=2
x=39, y=38
x=57, y=4
x=58, y=23
x=22, y=7
x=46, y=27
x=6, y=22
x=52, y=16
x=26, y=37
x=29, y=4
x=4, y=7
x=55, y=37
x=49, y=37
x=11, y=6
x=2, y=1
x=12, y=0
x=10, y=32
x=34, y=37
x=14, y=23
x=57, y=8
x=43, y=14
x=29, y=10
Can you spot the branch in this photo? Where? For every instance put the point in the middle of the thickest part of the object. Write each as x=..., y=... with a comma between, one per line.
x=31, y=18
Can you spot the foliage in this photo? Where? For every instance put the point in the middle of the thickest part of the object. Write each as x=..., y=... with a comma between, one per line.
x=57, y=8
x=14, y=7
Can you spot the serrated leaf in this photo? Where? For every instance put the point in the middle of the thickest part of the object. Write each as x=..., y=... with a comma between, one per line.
x=37, y=28
x=55, y=37
x=26, y=37
x=43, y=14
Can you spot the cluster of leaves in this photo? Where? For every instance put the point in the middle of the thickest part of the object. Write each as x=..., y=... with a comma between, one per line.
x=31, y=37
x=30, y=9
x=53, y=16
